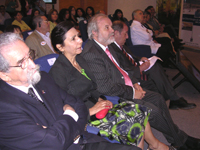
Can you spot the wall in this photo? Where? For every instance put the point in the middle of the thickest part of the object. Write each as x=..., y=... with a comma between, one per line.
x=127, y=6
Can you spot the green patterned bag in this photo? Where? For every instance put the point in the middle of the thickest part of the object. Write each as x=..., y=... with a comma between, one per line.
x=125, y=122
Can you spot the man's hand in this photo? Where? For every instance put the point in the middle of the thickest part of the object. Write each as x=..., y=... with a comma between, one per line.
x=145, y=64
x=100, y=105
x=139, y=93
x=68, y=107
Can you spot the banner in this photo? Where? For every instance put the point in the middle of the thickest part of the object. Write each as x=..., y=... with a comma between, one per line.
x=190, y=23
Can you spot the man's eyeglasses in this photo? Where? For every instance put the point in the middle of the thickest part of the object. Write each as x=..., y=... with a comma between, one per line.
x=25, y=61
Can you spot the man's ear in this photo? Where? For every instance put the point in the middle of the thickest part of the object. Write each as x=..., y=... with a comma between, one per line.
x=116, y=33
x=94, y=33
x=59, y=47
x=5, y=77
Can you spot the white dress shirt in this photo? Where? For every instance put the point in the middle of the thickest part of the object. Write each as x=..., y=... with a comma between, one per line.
x=47, y=39
x=142, y=36
x=3, y=18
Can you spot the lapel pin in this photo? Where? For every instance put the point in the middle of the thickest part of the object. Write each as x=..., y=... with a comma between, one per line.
x=43, y=92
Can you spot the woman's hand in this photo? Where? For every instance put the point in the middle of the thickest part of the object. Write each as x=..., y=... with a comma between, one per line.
x=100, y=105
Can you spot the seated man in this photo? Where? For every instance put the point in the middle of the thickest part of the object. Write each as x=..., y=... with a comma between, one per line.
x=39, y=40
x=143, y=36
x=156, y=75
x=3, y=15
x=114, y=80
x=35, y=114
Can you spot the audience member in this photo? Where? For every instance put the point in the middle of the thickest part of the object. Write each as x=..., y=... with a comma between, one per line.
x=143, y=36
x=53, y=18
x=3, y=15
x=39, y=40
x=19, y=22
x=89, y=12
x=63, y=14
x=161, y=27
x=34, y=112
x=14, y=29
x=35, y=12
x=11, y=6
x=40, y=5
x=72, y=16
x=80, y=14
x=71, y=73
x=155, y=73
x=113, y=80
x=118, y=15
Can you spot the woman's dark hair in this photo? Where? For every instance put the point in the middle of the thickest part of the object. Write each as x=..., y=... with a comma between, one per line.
x=149, y=7
x=83, y=12
x=16, y=12
x=58, y=33
x=62, y=14
x=33, y=12
x=89, y=7
x=11, y=28
x=115, y=16
x=50, y=13
x=70, y=15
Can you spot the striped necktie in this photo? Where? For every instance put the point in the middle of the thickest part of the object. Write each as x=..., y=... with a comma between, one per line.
x=142, y=75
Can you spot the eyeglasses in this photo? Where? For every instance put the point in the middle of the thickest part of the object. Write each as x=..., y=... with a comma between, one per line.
x=23, y=63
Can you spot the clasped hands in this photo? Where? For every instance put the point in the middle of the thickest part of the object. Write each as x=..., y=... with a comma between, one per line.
x=139, y=93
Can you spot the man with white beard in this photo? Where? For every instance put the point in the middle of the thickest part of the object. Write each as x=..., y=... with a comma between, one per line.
x=35, y=114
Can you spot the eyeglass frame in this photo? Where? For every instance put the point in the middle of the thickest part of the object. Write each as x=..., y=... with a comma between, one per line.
x=25, y=60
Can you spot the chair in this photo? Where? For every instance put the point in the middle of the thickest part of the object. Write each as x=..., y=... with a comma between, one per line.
x=138, y=50
x=83, y=29
x=27, y=19
x=2, y=27
x=8, y=22
x=46, y=62
x=26, y=34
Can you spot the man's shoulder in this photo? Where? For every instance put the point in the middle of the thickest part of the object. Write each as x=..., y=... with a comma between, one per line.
x=89, y=47
x=34, y=36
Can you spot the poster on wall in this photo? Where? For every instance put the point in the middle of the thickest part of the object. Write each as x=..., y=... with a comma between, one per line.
x=190, y=25
x=169, y=12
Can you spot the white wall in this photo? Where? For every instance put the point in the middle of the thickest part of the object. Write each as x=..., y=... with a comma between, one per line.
x=127, y=6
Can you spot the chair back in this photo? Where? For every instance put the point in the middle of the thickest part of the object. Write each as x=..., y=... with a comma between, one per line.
x=8, y=22
x=26, y=34
x=138, y=50
x=83, y=29
x=46, y=62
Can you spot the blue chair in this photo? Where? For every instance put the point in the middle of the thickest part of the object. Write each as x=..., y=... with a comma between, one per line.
x=26, y=34
x=46, y=62
x=83, y=29
x=138, y=50
x=8, y=22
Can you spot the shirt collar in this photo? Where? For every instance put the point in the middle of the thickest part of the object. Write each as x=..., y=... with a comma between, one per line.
x=47, y=34
x=23, y=88
x=117, y=45
x=102, y=46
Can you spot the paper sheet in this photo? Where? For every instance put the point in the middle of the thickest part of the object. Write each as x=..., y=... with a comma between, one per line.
x=152, y=60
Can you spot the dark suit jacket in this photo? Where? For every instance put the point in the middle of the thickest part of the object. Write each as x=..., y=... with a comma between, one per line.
x=108, y=78
x=124, y=62
x=72, y=81
x=22, y=118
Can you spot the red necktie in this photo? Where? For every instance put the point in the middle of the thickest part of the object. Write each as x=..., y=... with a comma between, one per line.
x=126, y=77
x=142, y=75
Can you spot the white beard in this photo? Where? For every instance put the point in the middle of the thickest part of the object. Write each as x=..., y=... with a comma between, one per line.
x=34, y=78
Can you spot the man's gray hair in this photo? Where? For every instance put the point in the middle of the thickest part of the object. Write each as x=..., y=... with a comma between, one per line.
x=6, y=41
x=93, y=24
x=134, y=13
x=37, y=20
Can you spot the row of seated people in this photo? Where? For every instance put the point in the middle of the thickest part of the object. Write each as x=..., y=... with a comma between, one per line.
x=91, y=73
